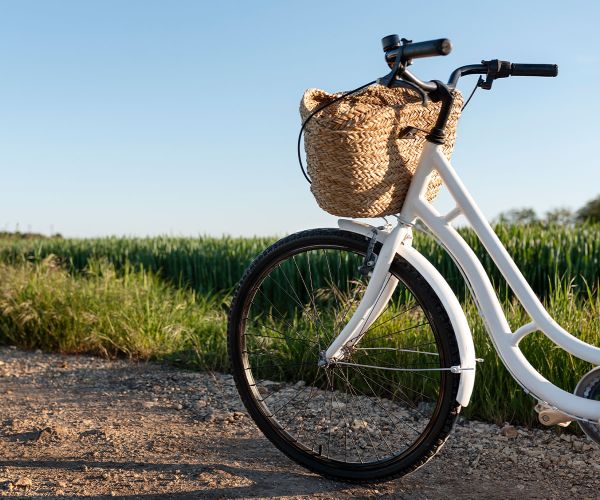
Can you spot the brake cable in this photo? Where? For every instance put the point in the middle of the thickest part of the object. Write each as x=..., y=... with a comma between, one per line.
x=477, y=85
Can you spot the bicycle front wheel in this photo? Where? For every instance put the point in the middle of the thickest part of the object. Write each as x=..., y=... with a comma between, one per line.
x=383, y=411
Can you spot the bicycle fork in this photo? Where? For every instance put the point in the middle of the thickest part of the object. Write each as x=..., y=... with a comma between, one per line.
x=378, y=293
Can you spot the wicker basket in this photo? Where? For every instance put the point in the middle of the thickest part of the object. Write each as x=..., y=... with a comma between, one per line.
x=358, y=164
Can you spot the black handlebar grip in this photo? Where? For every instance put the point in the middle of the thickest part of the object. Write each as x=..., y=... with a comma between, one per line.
x=440, y=47
x=534, y=70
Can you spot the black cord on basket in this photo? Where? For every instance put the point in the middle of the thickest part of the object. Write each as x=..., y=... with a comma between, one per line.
x=314, y=113
x=477, y=85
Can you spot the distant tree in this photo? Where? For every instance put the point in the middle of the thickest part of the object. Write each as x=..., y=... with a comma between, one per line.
x=518, y=216
x=16, y=235
x=590, y=211
x=559, y=216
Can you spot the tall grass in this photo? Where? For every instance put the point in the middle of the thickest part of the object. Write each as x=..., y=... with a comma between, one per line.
x=135, y=313
x=204, y=264
x=132, y=313
x=214, y=265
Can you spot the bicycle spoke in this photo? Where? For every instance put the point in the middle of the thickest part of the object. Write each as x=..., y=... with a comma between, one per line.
x=356, y=400
x=374, y=326
x=370, y=406
x=395, y=349
x=311, y=293
x=393, y=394
x=383, y=408
x=377, y=299
x=350, y=304
x=356, y=446
x=297, y=299
x=331, y=281
x=280, y=338
x=398, y=331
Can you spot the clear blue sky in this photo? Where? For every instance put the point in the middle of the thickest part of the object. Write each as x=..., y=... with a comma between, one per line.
x=180, y=117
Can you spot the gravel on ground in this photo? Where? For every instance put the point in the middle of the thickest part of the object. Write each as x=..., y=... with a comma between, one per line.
x=83, y=426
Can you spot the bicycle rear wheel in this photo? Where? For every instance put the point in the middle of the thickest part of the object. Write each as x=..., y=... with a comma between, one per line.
x=589, y=387
x=383, y=412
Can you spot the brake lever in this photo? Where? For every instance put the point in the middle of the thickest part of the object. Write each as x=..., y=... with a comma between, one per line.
x=495, y=69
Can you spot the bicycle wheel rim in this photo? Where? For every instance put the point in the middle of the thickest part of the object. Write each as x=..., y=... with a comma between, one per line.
x=295, y=447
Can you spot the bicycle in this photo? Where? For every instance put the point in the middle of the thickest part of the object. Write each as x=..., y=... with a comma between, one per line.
x=376, y=396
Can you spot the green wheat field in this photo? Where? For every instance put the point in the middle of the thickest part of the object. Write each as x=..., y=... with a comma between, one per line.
x=167, y=299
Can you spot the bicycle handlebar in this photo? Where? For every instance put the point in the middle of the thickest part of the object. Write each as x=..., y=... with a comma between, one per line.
x=400, y=52
x=405, y=50
x=533, y=69
x=502, y=69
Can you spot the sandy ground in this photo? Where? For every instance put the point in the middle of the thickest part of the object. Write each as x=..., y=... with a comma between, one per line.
x=80, y=426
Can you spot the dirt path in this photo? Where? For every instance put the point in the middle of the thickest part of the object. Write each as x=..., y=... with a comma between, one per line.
x=81, y=426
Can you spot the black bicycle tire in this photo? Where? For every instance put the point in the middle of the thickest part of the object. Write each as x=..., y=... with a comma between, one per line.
x=589, y=387
x=446, y=415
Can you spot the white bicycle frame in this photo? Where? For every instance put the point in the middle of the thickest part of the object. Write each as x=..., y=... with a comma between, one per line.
x=382, y=284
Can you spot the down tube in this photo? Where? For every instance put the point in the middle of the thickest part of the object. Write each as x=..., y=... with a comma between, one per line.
x=541, y=319
x=493, y=315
